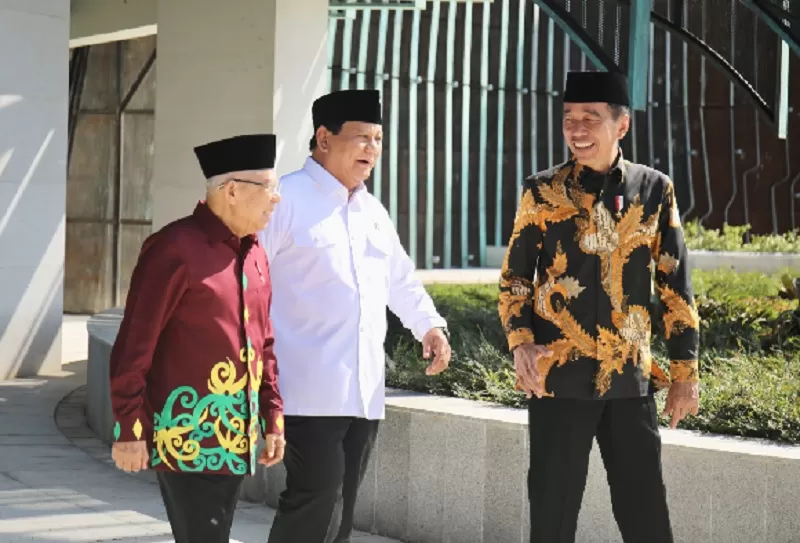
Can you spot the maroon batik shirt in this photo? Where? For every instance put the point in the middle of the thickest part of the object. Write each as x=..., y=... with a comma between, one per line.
x=193, y=370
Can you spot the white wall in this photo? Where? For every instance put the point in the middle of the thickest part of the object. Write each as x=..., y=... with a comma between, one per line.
x=100, y=21
x=34, y=37
x=255, y=66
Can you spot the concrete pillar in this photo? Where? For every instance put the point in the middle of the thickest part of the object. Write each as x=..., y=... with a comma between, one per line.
x=34, y=89
x=250, y=66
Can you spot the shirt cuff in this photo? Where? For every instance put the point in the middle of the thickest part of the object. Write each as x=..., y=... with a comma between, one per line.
x=423, y=326
x=518, y=337
x=682, y=371
x=130, y=428
x=658, y=378
x=272, y=422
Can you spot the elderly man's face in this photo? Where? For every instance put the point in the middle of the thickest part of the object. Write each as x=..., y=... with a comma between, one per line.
x=252, y=196
x=353, y=152
x=592, y=132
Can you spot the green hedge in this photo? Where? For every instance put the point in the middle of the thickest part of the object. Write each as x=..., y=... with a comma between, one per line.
x=750, y=354
x=732, y=238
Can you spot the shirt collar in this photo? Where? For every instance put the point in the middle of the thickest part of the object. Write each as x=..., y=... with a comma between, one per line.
x=616, y=173
x=619, y=167
x=216, y=230
x=327, y=182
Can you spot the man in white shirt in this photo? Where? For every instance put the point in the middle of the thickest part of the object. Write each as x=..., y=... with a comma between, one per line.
x=336, y=263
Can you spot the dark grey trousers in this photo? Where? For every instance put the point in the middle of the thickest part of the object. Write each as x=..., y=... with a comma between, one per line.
x=325, y=460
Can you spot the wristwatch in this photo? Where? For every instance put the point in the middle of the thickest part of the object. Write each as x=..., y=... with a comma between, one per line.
x=445, y=331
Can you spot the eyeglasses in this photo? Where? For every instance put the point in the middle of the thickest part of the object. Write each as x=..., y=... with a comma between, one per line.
x=271, y=187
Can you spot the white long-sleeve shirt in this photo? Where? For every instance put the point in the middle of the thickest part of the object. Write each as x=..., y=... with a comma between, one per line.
x=336, y=263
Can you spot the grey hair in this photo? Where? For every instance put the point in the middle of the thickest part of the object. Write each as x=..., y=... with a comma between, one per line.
x=217, y=181
x=618, y=111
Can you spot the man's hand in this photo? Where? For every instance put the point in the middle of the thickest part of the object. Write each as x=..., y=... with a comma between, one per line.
x=273, y=453
x=130, y=456
x=683, y=399
x=528, y=376
x=435, y=343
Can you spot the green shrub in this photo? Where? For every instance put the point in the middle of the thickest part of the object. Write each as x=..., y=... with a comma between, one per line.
x=732, y=238
x=750, y=354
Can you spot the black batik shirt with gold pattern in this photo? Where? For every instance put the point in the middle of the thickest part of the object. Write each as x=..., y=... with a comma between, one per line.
x=578, y=278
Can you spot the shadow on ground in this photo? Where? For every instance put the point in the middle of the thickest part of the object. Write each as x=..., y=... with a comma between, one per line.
x=57, y=481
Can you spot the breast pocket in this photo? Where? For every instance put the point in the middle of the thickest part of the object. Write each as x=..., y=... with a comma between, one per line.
x=379, y=244
x=317, y=237
x=320, y=254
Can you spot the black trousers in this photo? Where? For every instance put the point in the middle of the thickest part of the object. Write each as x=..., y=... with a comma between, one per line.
x=561, y=434
x=325, y=460
x=200, y=507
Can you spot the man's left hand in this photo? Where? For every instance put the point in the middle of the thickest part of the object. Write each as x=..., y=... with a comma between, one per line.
x=435, y=344
x=683, y=399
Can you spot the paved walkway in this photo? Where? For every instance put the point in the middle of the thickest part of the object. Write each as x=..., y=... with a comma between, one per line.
x=56, y=481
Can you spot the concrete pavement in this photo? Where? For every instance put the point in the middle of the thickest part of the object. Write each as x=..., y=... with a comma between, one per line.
x=57, y=483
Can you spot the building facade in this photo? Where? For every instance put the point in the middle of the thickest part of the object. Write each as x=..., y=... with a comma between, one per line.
x=472, y=105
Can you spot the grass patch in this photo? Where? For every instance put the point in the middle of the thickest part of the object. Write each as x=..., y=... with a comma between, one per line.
x=749, y=364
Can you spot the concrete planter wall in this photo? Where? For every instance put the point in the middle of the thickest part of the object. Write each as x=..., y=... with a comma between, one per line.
x=450, y=470
x=102, y=329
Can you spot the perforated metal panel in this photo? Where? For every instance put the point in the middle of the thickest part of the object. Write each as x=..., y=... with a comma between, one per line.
x=472, y=97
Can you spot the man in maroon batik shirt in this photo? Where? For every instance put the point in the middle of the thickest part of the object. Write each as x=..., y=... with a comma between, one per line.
x=193, y=374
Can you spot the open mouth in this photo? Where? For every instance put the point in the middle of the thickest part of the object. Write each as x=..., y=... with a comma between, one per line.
x=582, y=145
x=364, y=162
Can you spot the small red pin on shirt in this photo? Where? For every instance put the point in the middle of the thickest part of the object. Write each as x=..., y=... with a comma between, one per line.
x=619, y=203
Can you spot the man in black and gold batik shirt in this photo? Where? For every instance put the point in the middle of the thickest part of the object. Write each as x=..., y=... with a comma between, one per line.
x=575, y=301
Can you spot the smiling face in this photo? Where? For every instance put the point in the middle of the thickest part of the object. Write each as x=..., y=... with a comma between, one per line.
x=245, y=200
x=593, y=131
x=258, y=198
x=351, y=154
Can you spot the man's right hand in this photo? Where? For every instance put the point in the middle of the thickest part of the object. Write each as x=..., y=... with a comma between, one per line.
x=130, y=456
x=273, y=452
x=528, y=376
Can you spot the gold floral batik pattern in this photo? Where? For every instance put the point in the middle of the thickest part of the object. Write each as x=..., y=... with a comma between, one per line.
x=516, y=294
x=551, y=299
x=683, y=370
x=667, y=264
x=674, y=287
x=678, y=313
x=613, y=240
x=624, y=243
